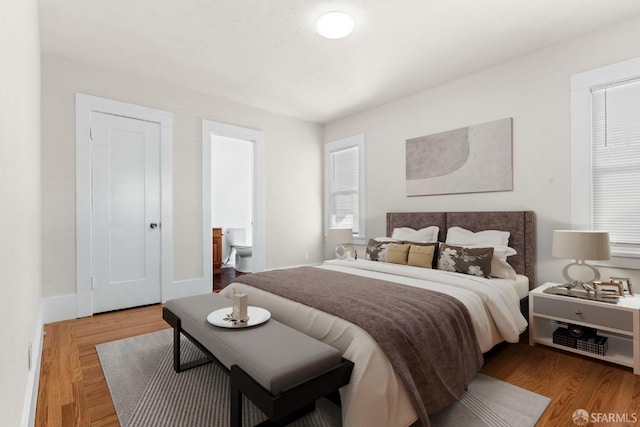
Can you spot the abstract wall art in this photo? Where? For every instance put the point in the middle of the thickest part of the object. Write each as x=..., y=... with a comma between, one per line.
x=467, y=160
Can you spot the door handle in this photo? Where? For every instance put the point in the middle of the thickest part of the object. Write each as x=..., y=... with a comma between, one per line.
x=153, y=225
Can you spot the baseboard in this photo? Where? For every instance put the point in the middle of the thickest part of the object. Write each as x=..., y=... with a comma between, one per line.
x=64, y=307
x=33, y=380
x=60, y=307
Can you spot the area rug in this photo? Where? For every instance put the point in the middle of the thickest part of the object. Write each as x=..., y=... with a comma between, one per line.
x=147, y=392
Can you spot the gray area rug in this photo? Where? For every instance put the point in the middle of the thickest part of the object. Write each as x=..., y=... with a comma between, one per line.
x=147, y=392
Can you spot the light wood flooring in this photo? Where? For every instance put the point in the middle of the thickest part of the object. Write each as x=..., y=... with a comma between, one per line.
x=73, y=390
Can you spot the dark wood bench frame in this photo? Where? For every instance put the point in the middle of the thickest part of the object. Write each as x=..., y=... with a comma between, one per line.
x=281, y=408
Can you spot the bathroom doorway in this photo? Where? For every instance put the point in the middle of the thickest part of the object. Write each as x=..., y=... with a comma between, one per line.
x=233, y=195
x=232, y=199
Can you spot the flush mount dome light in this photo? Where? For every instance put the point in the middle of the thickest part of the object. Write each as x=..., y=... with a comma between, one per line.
x=334, y=25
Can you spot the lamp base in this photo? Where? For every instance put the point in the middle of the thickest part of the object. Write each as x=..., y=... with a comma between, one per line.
x=571, y=282
x=341, y=252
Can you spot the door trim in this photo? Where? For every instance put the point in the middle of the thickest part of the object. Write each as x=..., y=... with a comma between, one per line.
x=210, y=128
x=85, y=106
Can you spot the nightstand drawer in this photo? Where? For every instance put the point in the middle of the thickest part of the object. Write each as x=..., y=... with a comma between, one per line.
x=610, y=317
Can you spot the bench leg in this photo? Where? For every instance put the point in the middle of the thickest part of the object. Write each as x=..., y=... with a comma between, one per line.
x=176, y=349
x=235, y=415
x=291, y=417
x=177, y=366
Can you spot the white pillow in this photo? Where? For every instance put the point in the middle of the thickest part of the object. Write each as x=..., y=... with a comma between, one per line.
x=385, y=239
x=502, y=251
x=424, y=235
x=461, y=236
x=501, y=269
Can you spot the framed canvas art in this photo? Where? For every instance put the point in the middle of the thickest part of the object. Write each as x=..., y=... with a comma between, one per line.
x=467, y=160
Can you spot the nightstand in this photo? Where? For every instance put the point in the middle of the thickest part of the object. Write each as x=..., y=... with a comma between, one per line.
x=619, y=322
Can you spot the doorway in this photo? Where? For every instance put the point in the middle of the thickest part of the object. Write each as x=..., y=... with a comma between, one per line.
x=232, y=199
x=123, y=205
x=238, y=204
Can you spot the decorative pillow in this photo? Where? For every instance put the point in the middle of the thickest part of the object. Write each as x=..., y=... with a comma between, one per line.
x=421, y=255
x=500, y=268
x=427, y=234
x=377, y=249
x=474, y=261
x=434, y=263
x=461, y=236
x=397, y=253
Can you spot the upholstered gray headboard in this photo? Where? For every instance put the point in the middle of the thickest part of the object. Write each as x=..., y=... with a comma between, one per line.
x=521, y=225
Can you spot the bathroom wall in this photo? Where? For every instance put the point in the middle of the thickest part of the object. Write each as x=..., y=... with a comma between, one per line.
x=231, y=188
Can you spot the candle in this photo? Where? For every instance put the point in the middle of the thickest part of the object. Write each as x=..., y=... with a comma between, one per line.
x=240, y=303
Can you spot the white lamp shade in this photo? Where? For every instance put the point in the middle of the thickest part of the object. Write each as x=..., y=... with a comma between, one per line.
x=339, y=235
x=581, y=245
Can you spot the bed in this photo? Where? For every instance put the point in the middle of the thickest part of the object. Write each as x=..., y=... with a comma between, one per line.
x=376, y=395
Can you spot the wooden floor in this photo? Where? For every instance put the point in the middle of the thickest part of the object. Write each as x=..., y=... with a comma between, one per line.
x=73, y=390
x=222, y=279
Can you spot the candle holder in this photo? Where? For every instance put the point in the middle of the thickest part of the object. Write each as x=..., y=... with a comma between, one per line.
x=240, y=303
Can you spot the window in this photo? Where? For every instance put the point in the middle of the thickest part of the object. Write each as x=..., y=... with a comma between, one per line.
x=344, y=186
x=606, y=156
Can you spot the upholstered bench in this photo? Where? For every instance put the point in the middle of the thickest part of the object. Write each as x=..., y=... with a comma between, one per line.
x=281, y=370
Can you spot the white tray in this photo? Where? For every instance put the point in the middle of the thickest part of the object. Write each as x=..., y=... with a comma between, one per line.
x=257, y=315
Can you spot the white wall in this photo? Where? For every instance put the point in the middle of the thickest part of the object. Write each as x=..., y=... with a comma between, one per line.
x=292, y=148
x=231, y=187
x=535, y=91
x=20, y=206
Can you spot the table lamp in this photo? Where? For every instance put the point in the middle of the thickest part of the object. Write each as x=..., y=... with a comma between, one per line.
x=339, y=236
x=580, y=245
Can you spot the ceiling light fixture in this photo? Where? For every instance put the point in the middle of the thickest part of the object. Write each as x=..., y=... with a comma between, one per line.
x=334, y=25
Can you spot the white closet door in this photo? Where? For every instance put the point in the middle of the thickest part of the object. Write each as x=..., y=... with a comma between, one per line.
x=125, y=157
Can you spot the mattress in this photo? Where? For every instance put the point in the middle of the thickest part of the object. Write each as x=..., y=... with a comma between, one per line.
x=520, y=284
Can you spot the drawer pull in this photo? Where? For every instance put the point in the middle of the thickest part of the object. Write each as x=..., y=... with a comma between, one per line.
x=577, y=312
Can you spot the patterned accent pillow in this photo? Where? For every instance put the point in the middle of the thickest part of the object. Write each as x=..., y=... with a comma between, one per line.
x=397, y=253
x=500, y=268
x=473, y=261
x=377, y=250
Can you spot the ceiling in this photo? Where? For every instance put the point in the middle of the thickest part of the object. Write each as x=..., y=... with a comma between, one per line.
x=266, y=53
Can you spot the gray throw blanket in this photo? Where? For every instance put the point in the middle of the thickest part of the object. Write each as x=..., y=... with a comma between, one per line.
x=427, y=336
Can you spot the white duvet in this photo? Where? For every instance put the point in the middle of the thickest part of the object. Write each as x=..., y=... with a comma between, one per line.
x=375, y=396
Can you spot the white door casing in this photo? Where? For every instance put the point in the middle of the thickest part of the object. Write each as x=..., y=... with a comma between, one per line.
x=86, y=106
x=125, y=176
x=209, y=129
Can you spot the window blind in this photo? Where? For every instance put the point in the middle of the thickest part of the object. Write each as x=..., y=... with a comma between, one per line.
x=616, y=161
x=344, y=192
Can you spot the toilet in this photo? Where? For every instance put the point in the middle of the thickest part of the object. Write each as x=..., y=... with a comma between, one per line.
x=238, y=240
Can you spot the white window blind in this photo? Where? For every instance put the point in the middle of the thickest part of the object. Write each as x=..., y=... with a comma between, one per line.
x=344, y=185
x=344, y=209
x=616, y=161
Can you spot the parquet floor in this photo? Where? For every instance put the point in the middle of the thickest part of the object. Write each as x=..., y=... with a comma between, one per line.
x=73, y=391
